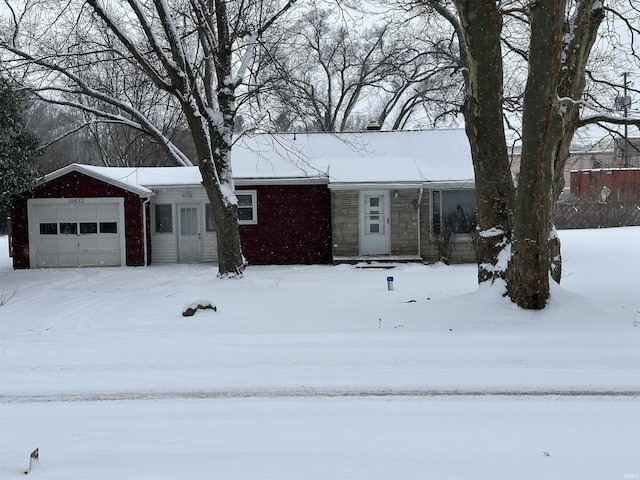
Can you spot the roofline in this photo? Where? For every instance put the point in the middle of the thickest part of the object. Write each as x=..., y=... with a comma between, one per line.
x=142, y=192
x=253, y=181
x=403, y=185
x=282, y=181
x=605, y=169
x=147, y=191
x=373, y=185
x=363, y=131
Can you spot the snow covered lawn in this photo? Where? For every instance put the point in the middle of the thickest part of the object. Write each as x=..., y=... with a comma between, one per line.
x=320, y=372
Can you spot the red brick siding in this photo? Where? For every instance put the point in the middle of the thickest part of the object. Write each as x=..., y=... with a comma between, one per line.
x=77, y=185
x=294, y=226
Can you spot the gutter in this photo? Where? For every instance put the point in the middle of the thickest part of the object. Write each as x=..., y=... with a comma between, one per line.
x=420, y=222
x=145, y=243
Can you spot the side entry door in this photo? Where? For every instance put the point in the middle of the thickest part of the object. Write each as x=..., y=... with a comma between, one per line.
x=189, y=234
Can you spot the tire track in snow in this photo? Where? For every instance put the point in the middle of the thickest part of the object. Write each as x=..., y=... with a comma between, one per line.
x=308, y=393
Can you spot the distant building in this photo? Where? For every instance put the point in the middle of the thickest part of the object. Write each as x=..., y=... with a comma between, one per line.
x=617, y=157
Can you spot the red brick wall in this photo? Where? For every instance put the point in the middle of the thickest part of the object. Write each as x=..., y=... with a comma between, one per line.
x=77, y=185
x=294, y=226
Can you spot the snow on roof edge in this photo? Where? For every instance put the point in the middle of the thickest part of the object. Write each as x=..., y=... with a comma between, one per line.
x=140, y=190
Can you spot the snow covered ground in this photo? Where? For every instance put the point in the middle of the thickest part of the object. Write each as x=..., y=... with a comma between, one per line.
x=320, y=372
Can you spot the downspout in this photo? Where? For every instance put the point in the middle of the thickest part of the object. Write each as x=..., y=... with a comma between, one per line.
x=144, y=230
x=419, y=221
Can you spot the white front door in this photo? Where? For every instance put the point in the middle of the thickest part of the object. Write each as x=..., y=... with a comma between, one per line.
x=189, y=245
x=374, y=223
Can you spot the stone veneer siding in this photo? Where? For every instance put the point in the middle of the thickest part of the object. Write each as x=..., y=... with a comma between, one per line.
x=404, y=222
x=345, y=228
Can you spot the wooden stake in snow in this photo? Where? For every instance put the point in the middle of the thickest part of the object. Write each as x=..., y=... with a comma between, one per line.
x=34, y=457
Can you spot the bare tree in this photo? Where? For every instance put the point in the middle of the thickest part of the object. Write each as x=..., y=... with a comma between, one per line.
x=196, y=52
x=331, y=74
x=517, y=241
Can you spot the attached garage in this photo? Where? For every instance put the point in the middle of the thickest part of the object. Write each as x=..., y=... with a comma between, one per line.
x=76, y=217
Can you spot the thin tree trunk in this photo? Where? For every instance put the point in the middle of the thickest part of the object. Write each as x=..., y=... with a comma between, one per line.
x=217, y=179
x=225, y=211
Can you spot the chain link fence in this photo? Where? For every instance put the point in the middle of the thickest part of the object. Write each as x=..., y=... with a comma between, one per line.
x=581, y=214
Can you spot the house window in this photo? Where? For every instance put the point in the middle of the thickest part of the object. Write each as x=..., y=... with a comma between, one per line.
x=209, y=221
x=453, y=211
x=164, y=219
x=247, y=210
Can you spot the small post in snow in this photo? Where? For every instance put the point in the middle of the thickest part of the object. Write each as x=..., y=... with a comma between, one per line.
x=34, y=457
x=389, y=283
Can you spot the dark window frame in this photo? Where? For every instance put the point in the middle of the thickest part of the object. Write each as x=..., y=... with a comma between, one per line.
x=456, y=216
x=209, y=221
x=163, y=223
x=48, y=228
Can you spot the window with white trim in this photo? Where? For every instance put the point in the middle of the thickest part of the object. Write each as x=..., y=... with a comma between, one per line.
x=453, y=211
x=247, y=207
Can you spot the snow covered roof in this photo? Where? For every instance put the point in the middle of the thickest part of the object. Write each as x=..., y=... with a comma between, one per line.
x=373, y=157
x=105, y=174
x=366, y=157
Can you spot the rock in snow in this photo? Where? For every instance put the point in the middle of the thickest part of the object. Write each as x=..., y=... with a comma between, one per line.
x=191, y=308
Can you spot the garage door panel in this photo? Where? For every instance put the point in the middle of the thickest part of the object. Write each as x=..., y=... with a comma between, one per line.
x=48, y=259
x=68, y=243
x=88, y=243
x=68, y=259
x=48, y=244
x=107, y=212
x=47, y=213
x=108, y=259
x=109, y=244
x=88, y=259
x=67, y=212
x=87, y=212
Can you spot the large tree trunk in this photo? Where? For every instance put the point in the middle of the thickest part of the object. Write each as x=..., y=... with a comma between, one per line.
x=528, y=278
x=482, y=25
x=525, y=223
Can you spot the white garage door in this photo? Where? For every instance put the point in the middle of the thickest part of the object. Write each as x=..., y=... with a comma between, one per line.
x=77, y=232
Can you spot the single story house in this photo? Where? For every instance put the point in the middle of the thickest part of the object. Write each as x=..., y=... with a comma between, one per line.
x=303, y=198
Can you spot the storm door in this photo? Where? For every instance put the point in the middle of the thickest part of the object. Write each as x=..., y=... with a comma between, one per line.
x=189, y=244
